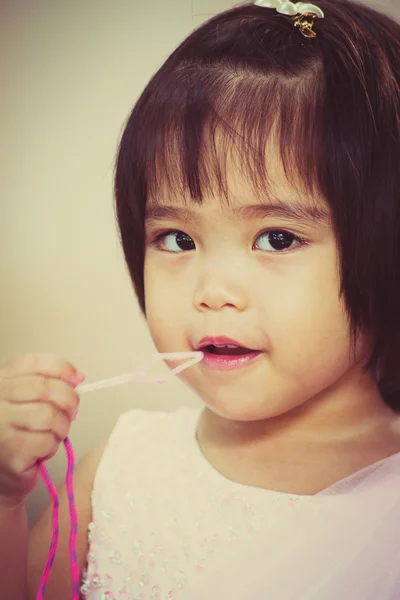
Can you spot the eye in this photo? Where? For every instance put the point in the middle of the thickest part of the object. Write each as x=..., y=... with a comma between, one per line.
x=175, y=241
x=278, y=241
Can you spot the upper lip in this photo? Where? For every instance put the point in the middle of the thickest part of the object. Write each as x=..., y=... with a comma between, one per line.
x=220, y=340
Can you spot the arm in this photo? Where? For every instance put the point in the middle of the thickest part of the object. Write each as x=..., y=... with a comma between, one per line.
x=13, y=551
x=59, y=584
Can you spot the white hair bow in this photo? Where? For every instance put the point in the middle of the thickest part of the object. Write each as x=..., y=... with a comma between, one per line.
x=285, y=7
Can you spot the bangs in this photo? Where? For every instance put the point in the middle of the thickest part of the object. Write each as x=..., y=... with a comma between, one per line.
x=210, y=118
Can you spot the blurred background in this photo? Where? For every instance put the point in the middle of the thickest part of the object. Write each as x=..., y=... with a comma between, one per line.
x=70, y=73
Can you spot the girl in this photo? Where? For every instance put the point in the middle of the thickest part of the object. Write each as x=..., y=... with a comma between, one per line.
x=257, y=194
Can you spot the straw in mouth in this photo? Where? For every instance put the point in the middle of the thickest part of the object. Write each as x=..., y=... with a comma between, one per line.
x=189, y=358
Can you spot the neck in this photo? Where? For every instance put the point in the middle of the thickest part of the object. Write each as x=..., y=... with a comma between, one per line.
x=351, y=410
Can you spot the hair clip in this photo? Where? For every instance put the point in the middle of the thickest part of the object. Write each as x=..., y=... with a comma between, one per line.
x=303, y=14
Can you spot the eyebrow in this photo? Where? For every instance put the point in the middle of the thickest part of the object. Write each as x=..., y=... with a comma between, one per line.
x=296, y=211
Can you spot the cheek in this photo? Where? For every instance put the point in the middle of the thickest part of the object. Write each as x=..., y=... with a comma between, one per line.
x=168, y=284
x=162, y=297
x=163, y=329
x=163, y=311
x=305, y=319
x=309, y=294
x=155, y=290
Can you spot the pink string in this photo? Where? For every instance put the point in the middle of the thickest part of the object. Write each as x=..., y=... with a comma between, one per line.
x=55, y=531
x=54, y=538
x=73, y=520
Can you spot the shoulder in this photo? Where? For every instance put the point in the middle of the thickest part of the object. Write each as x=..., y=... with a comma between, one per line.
x=59, y=585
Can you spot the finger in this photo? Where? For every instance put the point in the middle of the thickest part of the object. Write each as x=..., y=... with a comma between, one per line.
x=37, y=417
x=25, y=449
x=35, y=388
x=42, y=364
x=14, y=487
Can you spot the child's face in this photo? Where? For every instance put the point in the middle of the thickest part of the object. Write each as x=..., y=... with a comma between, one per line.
x=227, y=277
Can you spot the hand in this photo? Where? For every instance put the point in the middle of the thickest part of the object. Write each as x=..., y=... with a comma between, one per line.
x=37, y=404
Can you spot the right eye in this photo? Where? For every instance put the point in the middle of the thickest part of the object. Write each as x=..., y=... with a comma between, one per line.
x=175, y=241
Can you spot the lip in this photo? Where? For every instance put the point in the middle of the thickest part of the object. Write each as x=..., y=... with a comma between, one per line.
x=219, y=362
x=219, y=340
x=227, y=362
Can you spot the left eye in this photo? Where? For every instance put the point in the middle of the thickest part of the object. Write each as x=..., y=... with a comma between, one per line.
x=277, y=241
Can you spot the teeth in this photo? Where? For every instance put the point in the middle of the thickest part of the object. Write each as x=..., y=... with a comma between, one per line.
x=226, y=346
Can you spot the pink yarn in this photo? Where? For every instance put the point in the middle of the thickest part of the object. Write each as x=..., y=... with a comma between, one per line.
x=55, y=532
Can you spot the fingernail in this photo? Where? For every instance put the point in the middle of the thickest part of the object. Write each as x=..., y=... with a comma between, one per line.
x=77, y=379
x=75, y=414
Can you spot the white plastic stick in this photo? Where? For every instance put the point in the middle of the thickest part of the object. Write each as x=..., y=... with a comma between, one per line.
x=140, y=375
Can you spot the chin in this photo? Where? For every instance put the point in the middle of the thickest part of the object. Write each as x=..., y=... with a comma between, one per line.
x=237, y=409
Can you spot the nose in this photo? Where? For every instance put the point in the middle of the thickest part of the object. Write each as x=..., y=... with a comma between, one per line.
x=217, y=291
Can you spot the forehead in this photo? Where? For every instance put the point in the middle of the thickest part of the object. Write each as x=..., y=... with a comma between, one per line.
x=280, y=193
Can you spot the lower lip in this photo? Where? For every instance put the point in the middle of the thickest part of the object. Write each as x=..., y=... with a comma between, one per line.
x=226, y=362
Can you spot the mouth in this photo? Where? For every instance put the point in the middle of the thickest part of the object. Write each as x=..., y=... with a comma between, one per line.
x=228, y=350
x=223, y=354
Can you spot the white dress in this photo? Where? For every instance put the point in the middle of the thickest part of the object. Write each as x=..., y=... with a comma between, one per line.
x=167, y=525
